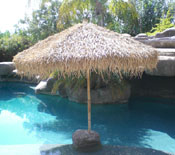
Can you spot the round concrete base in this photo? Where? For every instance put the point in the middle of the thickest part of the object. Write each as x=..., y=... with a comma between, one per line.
x=85, y=141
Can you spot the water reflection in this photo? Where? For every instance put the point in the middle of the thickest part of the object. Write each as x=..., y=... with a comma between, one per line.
x=11, y=126
x=143, y=122
x=14, y=89
x=134, y=124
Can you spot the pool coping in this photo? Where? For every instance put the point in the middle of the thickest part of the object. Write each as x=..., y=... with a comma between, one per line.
x=105, y=150
x=59, y=149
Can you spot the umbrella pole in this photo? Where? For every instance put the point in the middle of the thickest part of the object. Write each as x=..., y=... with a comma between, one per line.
x=89, y=100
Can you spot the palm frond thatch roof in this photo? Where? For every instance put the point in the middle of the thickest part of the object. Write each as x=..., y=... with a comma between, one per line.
x=86, y=46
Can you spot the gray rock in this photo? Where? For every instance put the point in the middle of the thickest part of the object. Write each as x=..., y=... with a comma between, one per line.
x=45, y=86
x=108, y=94
x=101, y=92
x=167, y=42
x=86, y=141
x=166, y=63
x=14, y=74
x=167, y=33
x=126, y=35
x=153, y=86
x=165, y=67
x=165, y=39
x=50, y=83
x=63, y=90
x=106, y=150
x=166, y=52
x=6, y=68
x=42, y=86
x=141, y=35
x=141, y=39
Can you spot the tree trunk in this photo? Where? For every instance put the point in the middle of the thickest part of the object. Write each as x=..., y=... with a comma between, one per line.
x=99, y=11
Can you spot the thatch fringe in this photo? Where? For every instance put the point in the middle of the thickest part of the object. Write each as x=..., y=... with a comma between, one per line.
x=86, y=47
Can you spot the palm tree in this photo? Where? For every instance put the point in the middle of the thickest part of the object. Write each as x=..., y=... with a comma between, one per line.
x=77, y=10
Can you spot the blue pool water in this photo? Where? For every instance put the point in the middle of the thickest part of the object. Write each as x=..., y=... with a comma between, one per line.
x=26, y=118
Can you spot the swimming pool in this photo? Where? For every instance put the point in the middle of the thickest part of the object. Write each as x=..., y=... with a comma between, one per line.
x=26, y=118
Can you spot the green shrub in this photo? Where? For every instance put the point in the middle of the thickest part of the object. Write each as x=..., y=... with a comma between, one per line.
x=11, y=44
x=165, y=23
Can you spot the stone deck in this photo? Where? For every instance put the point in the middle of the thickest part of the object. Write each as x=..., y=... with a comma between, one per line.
x=106, y=150
x=49, y=149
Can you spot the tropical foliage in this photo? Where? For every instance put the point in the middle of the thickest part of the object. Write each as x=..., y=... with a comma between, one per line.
x=43, y=22
x=75, y=11
x=124, y=16
x=165, y=23
x=30, y=30
x=10, y=44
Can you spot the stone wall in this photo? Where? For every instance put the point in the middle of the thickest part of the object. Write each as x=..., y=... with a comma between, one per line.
x=153, y=86
x=165, y=39
x=161, y=81
x=164, y=42
x=8, y=72
x=6, y=68
x=101, y=92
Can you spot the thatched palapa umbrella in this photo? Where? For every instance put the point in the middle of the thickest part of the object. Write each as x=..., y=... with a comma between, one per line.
x=84, y=48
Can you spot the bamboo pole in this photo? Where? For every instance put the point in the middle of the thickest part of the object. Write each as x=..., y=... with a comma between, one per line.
x=89, y=100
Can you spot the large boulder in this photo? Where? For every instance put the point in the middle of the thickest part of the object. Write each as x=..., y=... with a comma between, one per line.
x=45, y=87
x=165, y=39
x=166, y=42
x=126, y=35
x=86, y=141
x=76, y=90
x=165, y=67
x=167, y=33
x=109, y=94
x=141, y=35
x=6, y=68
x=166, y=63
x=153, y=86
x=101, y=92
x=41, y=87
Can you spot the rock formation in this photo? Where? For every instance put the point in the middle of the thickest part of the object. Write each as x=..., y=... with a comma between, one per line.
x=6, y=68
x=101, y=92
x=161, y=81
x=165, y=39
x=165, y=44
